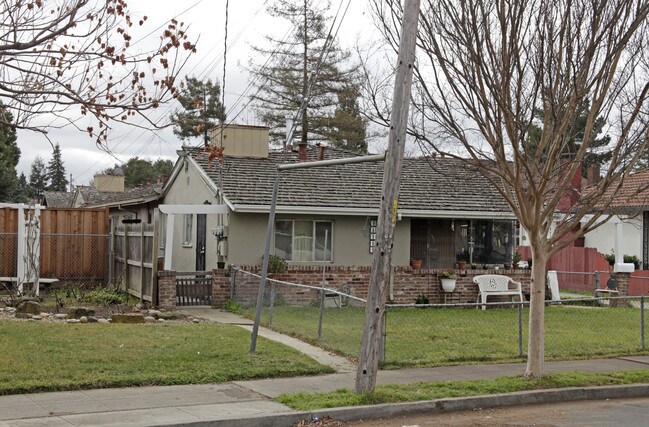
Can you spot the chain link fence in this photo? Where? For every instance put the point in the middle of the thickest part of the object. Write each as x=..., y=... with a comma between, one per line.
x=76, y=259
x=79, y=260
x=462, y=333
x=305, y=302
x=8, y=251
x=590, y=281
x=448, y=334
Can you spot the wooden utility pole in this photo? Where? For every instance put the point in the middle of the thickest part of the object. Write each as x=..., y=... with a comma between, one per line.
x=368, y=360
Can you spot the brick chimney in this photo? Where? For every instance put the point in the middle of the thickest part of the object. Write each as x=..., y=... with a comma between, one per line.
x=302, y=154
x=593, y=175
x=321, y=152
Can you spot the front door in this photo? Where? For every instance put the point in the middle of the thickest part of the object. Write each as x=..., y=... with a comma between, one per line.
x=432, y=241
x=201, y=220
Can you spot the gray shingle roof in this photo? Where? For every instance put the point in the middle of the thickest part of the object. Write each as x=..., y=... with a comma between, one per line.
x=92, y=197
x=58, y=199
x=441, y=184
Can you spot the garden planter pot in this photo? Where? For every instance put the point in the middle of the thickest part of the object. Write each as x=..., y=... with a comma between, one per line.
x=415, y=264
x=461, y=265
x=448, y=285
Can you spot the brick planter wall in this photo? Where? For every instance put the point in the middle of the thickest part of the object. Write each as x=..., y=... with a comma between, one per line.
x=220, y=287
x=407, y=283
x=167, y=289
x=622, y=286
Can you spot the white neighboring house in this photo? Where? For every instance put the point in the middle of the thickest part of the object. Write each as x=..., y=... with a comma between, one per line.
x=630, y=209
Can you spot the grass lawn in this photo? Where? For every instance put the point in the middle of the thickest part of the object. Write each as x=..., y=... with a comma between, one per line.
x=435, y=337
x=47, y=357
x=441, y=389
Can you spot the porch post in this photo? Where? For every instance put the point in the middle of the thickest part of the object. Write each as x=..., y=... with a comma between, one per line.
x=20, y=255
x=169, y=241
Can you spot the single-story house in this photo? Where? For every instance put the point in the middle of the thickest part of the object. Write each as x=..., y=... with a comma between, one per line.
x=447, y=211
x=135, y=204
x=629, y=208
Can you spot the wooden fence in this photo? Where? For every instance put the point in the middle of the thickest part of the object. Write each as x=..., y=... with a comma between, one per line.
x=134, y=259
x=73, y=246
x=577, y=259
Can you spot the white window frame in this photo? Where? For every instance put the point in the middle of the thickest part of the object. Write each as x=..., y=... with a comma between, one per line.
x=187, y=229
x=313, y=235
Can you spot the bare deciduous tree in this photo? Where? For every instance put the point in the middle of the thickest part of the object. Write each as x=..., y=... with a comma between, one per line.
x=55, y=55
x=490, y=71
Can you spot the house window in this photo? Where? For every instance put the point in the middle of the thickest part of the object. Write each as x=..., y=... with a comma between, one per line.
x=187, y=229
x=304, y=241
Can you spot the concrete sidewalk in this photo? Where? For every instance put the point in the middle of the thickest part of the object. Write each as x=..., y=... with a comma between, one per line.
x=249, y=403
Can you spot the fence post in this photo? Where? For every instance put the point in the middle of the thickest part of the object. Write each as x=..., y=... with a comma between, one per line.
x=111, y=251
x=322, y=303
x=233, y=281
x=520, y=329
x=271, y=303
x=596, y=280
x=127, y=282
x=382, y=343
x=642, y=322
x=142, y=289
x=154, y=257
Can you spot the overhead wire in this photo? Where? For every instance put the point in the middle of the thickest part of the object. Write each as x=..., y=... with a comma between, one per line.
x=164, y=111
x=208, y=70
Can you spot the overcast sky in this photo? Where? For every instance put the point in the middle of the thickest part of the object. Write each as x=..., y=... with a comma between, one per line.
x=247, y=24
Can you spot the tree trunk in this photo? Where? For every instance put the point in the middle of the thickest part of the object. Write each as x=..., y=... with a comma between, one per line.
x=536, y=336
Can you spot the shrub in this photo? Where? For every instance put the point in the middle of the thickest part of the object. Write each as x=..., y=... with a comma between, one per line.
x=276, y=264
x=232, y=306
x=632, y=259
x=422, y=299
x=448, y=274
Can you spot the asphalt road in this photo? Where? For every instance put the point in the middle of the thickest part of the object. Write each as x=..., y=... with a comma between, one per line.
x=613, y=412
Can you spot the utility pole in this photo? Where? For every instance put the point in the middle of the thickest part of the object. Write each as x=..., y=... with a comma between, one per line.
x=368, y=360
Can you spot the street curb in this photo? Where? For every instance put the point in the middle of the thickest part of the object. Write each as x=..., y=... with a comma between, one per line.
x=354, y=413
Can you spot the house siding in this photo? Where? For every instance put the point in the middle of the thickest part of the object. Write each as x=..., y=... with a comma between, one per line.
x=350, y=239
x=603, y=237
x=194, y=192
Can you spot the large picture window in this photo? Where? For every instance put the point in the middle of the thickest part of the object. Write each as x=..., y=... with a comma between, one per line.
x=304, y=241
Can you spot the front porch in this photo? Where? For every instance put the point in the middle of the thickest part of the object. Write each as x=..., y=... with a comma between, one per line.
x=441, y=243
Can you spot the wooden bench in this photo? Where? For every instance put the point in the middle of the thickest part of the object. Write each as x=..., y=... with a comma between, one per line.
x=495, y=285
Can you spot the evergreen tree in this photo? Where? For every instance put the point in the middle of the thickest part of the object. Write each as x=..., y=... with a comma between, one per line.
x=162, y=167
x=9, y=156
x=201, y=109
x=293, y=61
x=599, y=151
x=37, y=178
x=56, y=171
x=21, y=193
x=347, y=127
